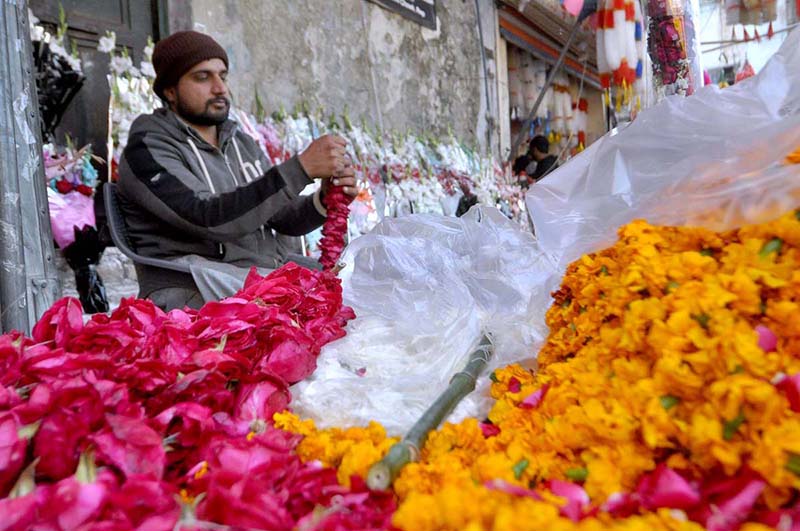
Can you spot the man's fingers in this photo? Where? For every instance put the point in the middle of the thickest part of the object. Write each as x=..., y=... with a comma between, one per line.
x=339, y=140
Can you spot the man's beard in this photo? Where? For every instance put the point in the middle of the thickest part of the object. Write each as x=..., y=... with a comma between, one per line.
x=207, y=117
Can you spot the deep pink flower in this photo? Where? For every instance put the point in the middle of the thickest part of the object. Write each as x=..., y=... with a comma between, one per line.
x=12, y=453
x=731, y=513
x=577, y=502
x=76, y=410
x=489, y=430
x=790, y=386
x=514, y=386
x=58, y=324
x=533, y=400
x=144, y=504
x=69, y=504
x=18, y=514
x=767, y=340
x=666, y=488
x=621, y=504
x=335, y=227
x=131, y=446
x=261, y=400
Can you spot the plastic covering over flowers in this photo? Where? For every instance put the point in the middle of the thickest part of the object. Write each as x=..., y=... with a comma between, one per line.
x=146, y=420
x=666, y=397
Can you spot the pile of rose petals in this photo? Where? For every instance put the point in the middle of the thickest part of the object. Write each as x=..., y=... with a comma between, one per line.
x=335, y=227
x=149, y=421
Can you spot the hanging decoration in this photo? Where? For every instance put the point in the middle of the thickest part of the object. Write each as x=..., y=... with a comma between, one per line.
x=673, y=48
x=620, y=53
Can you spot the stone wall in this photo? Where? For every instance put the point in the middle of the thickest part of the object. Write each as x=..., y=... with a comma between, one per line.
x=355, y=55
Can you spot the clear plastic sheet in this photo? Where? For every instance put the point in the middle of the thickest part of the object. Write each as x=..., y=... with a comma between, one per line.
x=713, y=160
x=424, y=288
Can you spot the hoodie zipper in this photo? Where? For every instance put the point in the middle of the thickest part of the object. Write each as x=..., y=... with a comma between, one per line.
x=236, y=181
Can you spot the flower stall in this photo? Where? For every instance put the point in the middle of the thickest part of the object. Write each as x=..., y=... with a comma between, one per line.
x=641, y=350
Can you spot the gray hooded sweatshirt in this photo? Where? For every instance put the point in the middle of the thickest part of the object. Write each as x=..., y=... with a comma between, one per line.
x=182, y=196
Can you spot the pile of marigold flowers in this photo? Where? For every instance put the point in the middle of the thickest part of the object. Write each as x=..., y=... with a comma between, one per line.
x=667, y=396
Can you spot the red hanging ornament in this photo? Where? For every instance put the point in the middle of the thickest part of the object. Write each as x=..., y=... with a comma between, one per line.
x=758, y=37
x=335, y=227
x=746, y=36
x=770, y=32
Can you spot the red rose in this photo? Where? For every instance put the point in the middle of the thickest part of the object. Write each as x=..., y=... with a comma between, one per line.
x=12, y=453
x=64, y=186
x=131, y=446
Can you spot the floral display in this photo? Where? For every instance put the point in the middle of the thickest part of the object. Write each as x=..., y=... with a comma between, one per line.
x=667, y=396
x=71, y=181
x=673, y=48
x=398, y=174
x=335, y=227
x=146, y=420
x=131, y=93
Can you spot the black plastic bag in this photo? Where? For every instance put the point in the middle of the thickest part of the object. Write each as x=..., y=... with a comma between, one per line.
x=82, y=256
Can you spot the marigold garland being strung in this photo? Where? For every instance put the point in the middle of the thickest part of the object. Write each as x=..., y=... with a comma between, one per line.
x=667, y=397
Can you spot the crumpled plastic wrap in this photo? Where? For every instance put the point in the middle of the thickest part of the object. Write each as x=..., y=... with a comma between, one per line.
x=424, y=288
x=712, y=160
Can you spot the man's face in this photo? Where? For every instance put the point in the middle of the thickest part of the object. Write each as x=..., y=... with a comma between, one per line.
x=201, y=96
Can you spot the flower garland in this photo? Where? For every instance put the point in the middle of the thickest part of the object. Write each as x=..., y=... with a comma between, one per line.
x=667, y=397
x=146, y=420
x=335, y=227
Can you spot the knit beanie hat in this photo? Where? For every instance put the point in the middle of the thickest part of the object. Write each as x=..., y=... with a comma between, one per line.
x=175, y=55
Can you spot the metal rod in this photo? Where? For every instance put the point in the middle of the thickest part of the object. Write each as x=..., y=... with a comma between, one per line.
x=28, y=276
x=550, y=78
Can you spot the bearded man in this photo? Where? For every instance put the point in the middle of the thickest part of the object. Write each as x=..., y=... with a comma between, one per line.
x=193, y=187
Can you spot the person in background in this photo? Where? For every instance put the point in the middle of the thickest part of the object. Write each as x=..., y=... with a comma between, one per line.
x=536, y=163
x=194, y=188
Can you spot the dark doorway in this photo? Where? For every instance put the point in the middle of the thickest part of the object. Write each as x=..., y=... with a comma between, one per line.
x=86, y=119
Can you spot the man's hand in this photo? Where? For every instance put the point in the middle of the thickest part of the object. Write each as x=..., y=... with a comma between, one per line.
x=346, y=179
x=325, y=157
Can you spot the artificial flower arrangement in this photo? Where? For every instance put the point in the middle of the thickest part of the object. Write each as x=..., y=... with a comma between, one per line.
x=667, y=396
x=131, y=93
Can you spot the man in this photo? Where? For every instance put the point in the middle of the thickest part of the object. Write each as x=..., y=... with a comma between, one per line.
x=537, y=162
x=196, y=189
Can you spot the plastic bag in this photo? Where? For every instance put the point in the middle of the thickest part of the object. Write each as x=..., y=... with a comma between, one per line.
x=424, y=288
x=69, y=212
x=82, y=255
x=713, y=160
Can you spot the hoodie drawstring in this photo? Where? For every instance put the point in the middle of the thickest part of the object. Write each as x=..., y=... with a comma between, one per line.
x=202, y=165
x=246, y=167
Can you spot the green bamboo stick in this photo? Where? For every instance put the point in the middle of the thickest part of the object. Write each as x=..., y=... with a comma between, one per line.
x=382, y=474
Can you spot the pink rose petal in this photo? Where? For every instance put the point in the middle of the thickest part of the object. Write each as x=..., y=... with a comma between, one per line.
x=666, y=488
x=577, y=499
x=790, y=386
x=729, y=515
x=533, y=400
x=767, y=340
